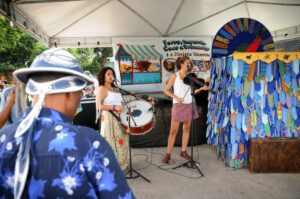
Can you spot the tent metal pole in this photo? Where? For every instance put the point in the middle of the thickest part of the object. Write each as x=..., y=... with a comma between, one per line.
x=247, y=9
x=140, y=16
x=272, y=3
x=192, y=24
x=175, y=16
x=77, y=20
x=41, y=1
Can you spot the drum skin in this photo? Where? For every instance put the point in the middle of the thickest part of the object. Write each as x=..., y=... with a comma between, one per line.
x=142, y=117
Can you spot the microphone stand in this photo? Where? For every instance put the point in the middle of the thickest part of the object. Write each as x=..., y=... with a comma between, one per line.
x=129, y=116
x=124, y=92
x=193, y=164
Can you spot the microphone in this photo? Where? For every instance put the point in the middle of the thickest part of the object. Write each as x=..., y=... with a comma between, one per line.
x=115, y=79
x=189, y=67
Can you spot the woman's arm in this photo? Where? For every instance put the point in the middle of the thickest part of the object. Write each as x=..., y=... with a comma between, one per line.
x=7, y=108
x=204, y=88
x=168, y=87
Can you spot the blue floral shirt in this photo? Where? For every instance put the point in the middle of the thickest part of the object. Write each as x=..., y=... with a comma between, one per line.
x=67, y=161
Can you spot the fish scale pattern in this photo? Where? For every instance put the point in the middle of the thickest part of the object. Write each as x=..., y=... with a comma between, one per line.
x=253, y=100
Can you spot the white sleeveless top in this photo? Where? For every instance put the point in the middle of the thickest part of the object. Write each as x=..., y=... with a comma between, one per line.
x=113, y=98
x=181, y=89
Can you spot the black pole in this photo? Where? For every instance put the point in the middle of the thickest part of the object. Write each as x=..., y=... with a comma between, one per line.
x=131, y=170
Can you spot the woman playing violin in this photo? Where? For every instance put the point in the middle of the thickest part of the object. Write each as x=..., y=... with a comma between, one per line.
x=182, y=106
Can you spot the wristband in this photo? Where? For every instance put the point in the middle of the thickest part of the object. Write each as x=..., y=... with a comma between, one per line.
x=114, y=107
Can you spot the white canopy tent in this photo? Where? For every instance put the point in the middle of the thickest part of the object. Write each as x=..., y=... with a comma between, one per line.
x=90, y=23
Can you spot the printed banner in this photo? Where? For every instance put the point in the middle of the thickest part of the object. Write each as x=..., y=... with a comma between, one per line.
x=242, y=35
x=144, y=64
x=267, y=57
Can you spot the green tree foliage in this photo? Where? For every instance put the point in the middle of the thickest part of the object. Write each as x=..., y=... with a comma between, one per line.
x=101, y=56
x=18, y=49
x=92, y=59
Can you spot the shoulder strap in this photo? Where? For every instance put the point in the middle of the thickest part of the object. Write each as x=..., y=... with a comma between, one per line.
x=118, y=118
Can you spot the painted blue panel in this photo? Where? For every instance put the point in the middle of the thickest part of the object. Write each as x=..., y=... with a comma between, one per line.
x=126, y=78
x=140, y=78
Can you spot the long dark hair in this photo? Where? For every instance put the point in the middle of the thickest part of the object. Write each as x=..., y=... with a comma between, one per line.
x=101, y=75
x=181, y=60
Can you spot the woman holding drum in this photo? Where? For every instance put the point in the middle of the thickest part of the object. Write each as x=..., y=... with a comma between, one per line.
x=182, y=106
x=110, y=100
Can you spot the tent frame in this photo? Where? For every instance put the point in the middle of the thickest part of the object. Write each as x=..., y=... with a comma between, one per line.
x=9, y=9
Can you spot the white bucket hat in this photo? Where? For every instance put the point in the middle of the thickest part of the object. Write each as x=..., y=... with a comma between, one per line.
x=53, y=60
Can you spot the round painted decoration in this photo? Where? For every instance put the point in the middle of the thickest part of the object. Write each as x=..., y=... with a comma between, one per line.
x=242, y=35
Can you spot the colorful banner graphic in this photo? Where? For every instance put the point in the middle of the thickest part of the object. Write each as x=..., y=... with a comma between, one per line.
x=253, y=100
x=242, y=35
x=145, y=64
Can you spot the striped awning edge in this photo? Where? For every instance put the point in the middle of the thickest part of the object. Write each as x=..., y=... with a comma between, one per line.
x=142, y=52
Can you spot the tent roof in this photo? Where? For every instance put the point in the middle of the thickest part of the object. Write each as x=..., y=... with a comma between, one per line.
x=73, y=23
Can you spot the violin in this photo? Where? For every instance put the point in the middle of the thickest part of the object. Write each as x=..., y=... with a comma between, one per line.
x=192, y=79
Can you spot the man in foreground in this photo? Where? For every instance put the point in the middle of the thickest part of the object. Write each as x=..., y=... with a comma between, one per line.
x=44, y=155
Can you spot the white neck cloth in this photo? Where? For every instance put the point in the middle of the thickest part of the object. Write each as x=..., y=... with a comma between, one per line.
x=26, y=127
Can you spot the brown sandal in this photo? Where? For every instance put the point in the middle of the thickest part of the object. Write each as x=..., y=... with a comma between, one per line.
x=185, y=155
x=166, y=159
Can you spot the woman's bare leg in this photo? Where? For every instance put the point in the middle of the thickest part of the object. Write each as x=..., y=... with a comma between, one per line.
x=185, y=134
x=172, y=136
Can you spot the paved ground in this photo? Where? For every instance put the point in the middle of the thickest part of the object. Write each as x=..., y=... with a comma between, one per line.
x=218, y=182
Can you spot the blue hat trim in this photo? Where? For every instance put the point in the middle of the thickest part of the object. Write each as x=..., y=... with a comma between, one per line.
x=42, y=63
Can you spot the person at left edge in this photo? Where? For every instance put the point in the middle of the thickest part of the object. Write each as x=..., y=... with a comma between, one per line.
x=44, y=155
x=20, y=103
x=5, y=112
